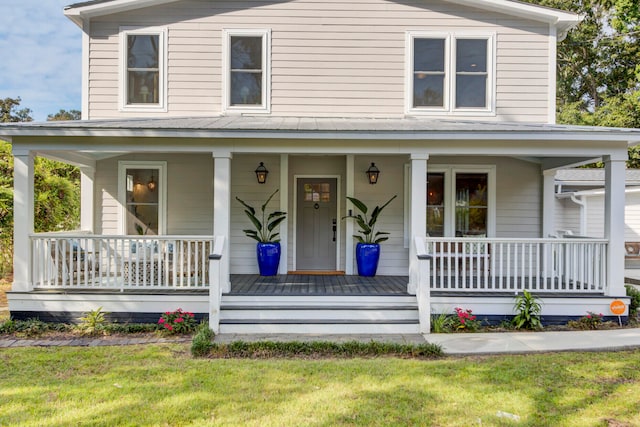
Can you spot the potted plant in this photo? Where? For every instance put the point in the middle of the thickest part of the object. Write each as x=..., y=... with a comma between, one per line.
x=268, y=248
x=368, y=247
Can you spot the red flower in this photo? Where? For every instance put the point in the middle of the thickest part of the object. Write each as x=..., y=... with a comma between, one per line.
x=168, y=326
x=179, y=320
x=161, y=321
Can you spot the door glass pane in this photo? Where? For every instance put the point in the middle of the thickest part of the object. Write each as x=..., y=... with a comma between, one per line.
x=142, y=201
x=435, y=204
x=317, y=192
x=471, y=204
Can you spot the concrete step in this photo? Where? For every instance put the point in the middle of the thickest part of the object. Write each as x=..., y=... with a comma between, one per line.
x=323, y=329
x=319, y=314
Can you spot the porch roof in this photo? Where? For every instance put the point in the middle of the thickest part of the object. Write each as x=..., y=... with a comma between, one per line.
x=405, y=128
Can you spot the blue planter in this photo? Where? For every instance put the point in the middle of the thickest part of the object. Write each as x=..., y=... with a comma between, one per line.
x=367, y=256
x=268, y=258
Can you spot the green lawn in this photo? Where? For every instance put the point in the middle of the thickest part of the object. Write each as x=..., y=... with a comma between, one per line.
x=162, y=385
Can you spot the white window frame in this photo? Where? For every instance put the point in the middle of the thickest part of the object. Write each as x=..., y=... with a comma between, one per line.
x=123, y=84
x=450, y=74
x=265, y=107
x=161, y=168
x=450, y=172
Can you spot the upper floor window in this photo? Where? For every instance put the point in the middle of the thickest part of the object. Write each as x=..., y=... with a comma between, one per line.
x=450, y=74
x=247, y=70
x=143, y=70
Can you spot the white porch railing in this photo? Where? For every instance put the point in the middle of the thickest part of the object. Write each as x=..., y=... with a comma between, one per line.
x=80, y=260
x=570, y=265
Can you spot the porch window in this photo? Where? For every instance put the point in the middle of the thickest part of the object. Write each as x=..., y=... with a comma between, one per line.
x=143, y=69
x=450, y=74
x=460, y=202
x=247, y=70
x=142, y=192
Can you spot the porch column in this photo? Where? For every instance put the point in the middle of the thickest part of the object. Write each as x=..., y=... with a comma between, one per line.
x=418, y=211
x=22, y=219
x=548, y=203
x=614, y=205
x=221, y=210
x=87, y=202
x=283, y=267
x=350, y=190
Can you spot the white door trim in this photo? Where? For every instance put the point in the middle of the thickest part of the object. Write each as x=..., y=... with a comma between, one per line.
x=295, y=216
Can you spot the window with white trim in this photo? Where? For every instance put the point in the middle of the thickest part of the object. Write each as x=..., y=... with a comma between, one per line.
x=247, y=70
x=460, y=202
x=143, y=76
x=142, y=195
x=450, y=74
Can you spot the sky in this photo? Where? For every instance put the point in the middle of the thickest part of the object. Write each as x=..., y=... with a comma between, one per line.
x=40, y=53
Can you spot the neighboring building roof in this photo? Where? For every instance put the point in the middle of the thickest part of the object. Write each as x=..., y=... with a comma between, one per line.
x=563, y=20
x=592, y=177
x=317, y=127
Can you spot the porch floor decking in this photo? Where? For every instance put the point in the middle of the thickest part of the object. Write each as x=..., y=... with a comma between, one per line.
x=308, y=284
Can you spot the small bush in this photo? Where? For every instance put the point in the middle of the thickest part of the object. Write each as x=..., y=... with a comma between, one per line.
x=634, y=306
x=441, y=323
x=202, y=341
x=178, y=322
x=464, y=320
x=590, y=321
x=528, y=309
x=320, y=349
x=93, y=322
x=31, y=327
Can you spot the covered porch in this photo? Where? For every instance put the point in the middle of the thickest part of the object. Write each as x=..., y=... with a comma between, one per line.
x=515, y=250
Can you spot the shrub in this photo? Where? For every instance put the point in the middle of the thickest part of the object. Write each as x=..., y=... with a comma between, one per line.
x=269, y=349
x=464, y=320
x=528, y=309
x=634, y=306
x=178, y=322
x=441, y=323
x=93, y=322
x=202, y=341
x=590, y=321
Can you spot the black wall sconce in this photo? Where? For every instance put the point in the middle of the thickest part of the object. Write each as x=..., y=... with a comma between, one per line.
x=261, y=173
x=372, y=173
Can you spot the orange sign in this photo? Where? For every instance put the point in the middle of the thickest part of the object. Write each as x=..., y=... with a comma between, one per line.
x=617, y=307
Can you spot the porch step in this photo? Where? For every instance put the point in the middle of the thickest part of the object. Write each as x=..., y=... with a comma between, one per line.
x=319, y=314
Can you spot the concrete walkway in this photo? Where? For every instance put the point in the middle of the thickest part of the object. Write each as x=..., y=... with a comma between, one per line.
x=452, y=344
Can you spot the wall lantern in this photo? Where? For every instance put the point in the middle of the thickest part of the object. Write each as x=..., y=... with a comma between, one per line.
x=261, y=173
x=372, y=173
x=151, y=185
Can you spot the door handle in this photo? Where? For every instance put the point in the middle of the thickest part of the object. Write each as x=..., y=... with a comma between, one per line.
x=334, y=229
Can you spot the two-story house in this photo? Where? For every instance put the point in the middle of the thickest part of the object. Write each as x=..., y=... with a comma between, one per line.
x=452, y=101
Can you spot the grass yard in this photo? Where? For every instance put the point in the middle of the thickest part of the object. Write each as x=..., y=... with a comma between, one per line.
x=161, y=385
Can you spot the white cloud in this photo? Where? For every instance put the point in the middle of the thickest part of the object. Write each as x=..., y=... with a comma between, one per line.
x=41, y=56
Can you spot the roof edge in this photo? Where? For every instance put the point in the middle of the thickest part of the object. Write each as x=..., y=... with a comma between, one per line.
x=563, y=20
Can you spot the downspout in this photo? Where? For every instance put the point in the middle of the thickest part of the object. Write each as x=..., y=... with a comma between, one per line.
x=583, y=212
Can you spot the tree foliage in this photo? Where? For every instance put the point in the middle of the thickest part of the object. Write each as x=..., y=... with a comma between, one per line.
x=64, y=115
x=56, y=189
x=599, y=66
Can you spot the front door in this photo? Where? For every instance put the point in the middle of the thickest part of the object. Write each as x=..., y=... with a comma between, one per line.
x=316, y=224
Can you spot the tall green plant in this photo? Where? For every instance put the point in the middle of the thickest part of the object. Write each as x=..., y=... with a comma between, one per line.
x=265, y=225
x=367, y=224
x=528, y=309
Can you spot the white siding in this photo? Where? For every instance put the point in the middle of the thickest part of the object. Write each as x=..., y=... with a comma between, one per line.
x=568, y=216
x=329, y=58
